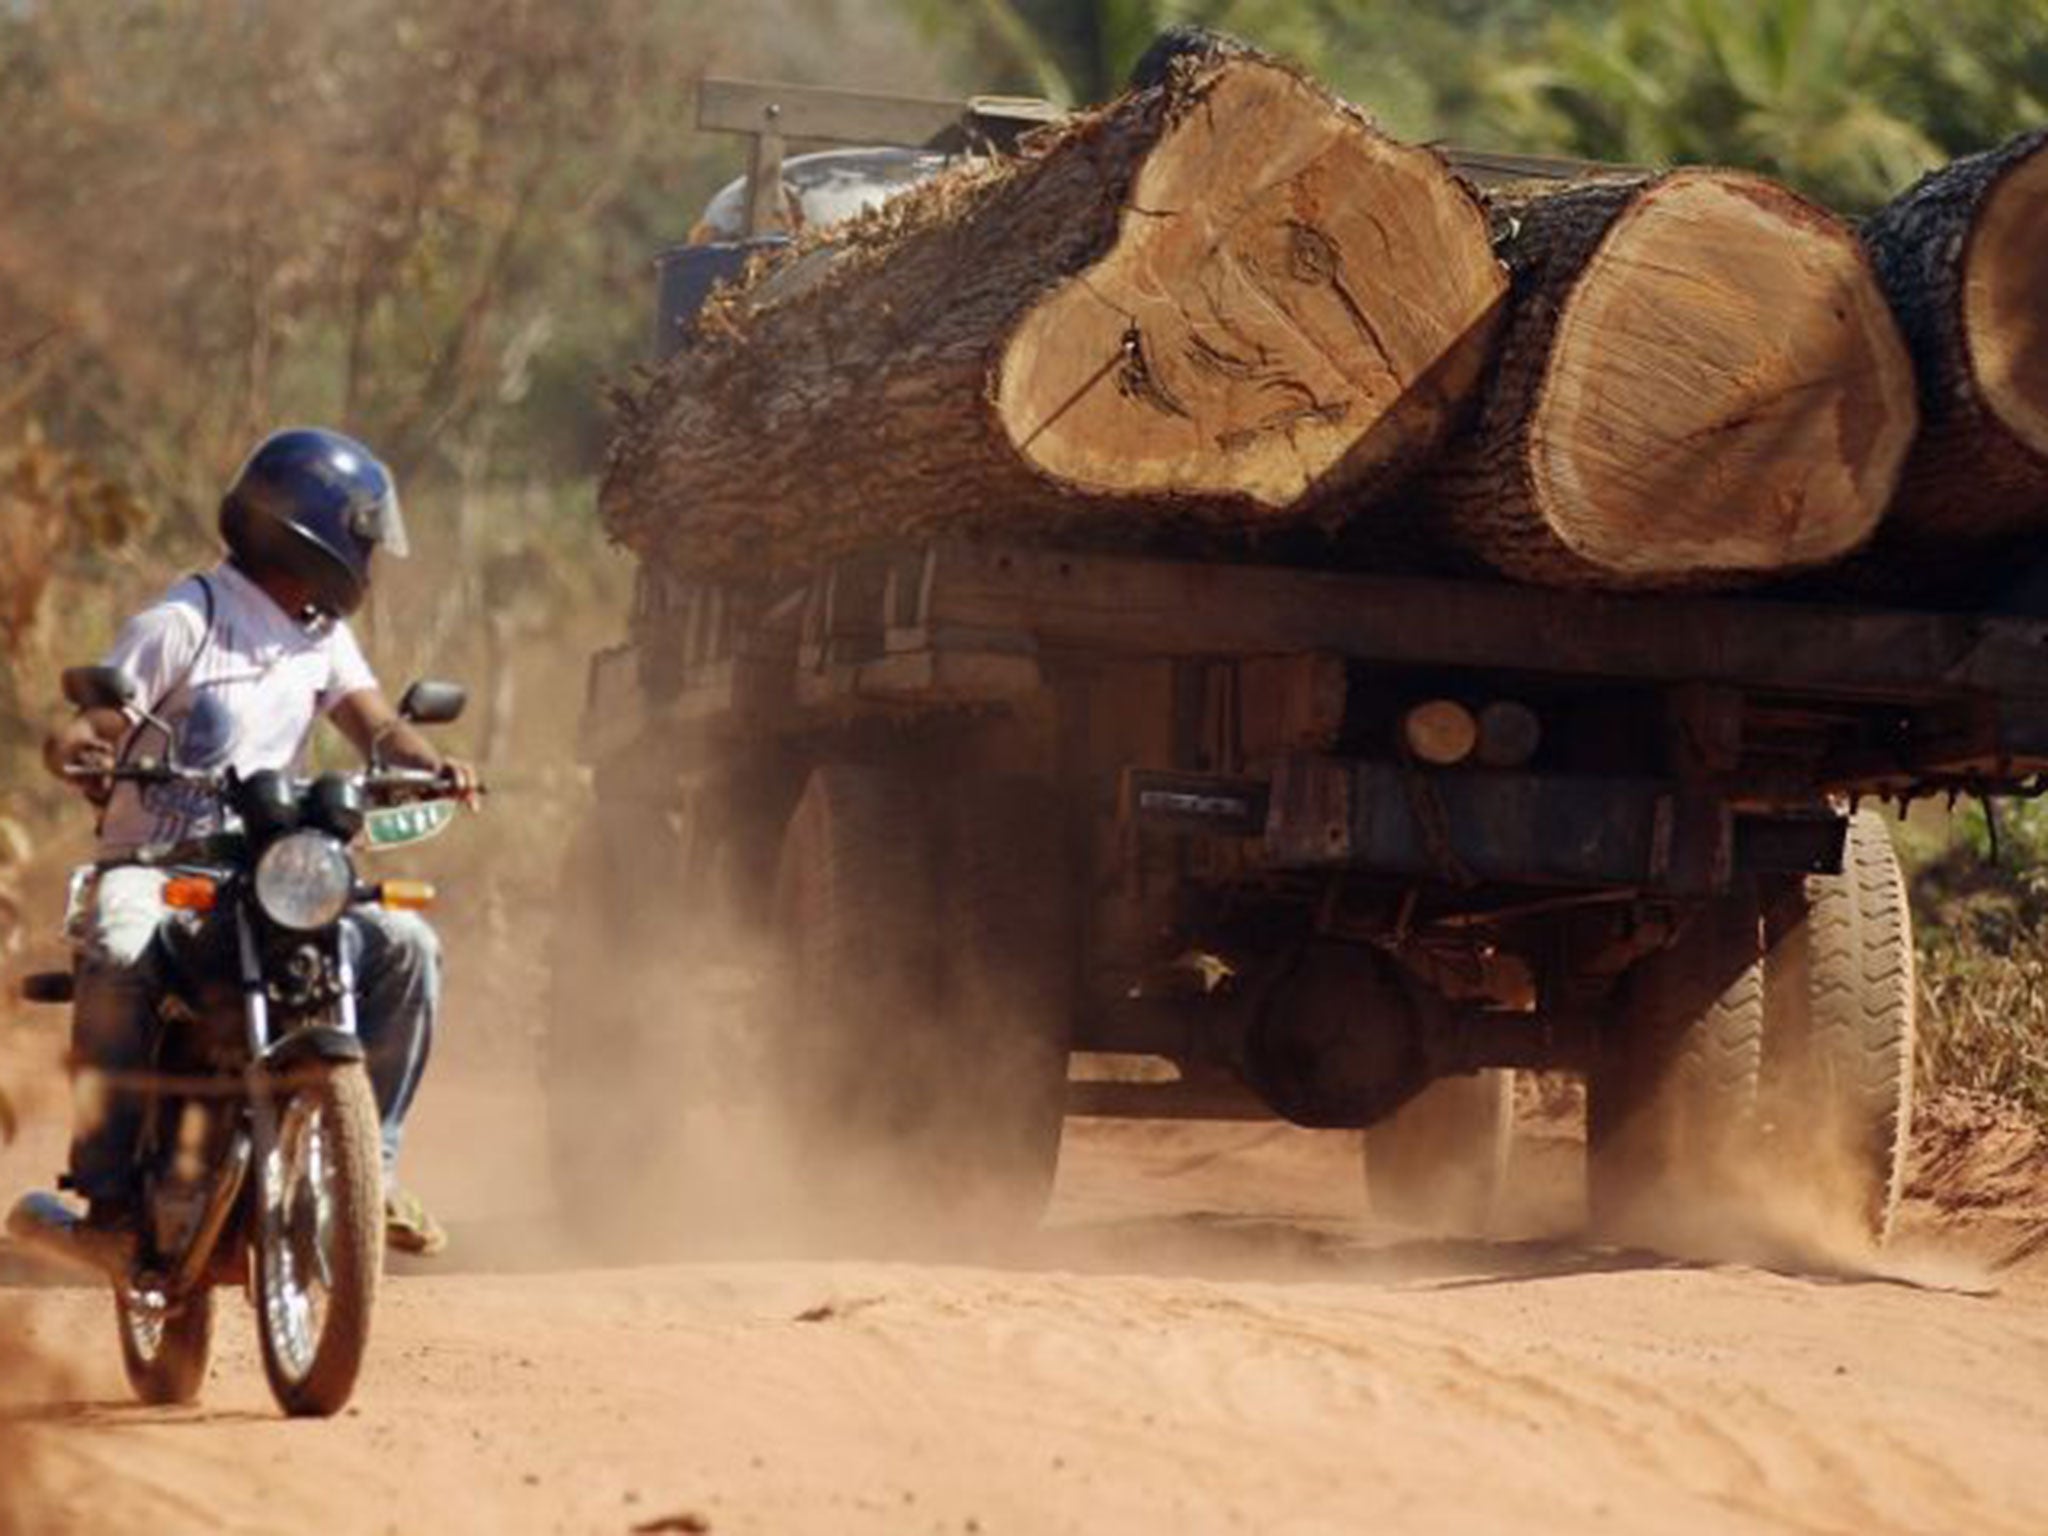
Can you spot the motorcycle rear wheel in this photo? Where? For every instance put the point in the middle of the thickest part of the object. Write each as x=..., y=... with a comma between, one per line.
x=165, y=1344
x=319, y=1240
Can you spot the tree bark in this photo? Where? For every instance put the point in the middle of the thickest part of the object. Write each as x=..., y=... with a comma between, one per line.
x=1216, y=303
x=1699, y=385
x=1963, y=256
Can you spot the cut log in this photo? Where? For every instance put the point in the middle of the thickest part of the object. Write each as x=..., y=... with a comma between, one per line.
x=1217, y=302
x=1699, y=384
x=1963, y=257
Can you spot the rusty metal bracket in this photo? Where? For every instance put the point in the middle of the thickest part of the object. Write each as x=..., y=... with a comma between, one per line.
x=1434, y=822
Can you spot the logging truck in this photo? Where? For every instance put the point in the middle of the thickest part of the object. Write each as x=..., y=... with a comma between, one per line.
x=1013, y=830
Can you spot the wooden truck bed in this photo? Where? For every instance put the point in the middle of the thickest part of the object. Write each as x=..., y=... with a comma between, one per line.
x=1729, y=730
x=1908, y=702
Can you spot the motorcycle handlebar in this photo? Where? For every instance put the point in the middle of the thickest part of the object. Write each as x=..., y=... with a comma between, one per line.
x=148, y=771
x=435, y=780
x=374, y=781
x=404, y=778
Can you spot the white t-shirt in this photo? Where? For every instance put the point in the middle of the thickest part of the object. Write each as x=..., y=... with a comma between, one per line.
x=271, y=676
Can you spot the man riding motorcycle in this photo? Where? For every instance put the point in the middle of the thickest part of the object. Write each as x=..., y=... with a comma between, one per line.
x=264, y=635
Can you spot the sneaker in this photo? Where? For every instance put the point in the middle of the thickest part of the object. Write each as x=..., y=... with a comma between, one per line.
x=409, y=1227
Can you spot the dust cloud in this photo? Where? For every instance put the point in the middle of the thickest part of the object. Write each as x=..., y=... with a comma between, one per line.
x=712, y=1133
x=32, y=1378
x=1795, y=1212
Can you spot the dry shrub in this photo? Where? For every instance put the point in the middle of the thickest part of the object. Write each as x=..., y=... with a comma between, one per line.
x=1979, y=882
x=1984, y=1014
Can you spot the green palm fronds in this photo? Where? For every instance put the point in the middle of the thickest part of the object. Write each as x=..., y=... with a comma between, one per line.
x=1847, y=99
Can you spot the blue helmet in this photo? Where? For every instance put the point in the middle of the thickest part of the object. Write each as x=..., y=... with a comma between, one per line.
x=316, y=505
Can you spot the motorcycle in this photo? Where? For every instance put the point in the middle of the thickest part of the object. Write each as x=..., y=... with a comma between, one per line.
x=258, y=1158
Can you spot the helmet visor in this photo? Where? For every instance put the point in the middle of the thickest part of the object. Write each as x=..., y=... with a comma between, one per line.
x=382, y=523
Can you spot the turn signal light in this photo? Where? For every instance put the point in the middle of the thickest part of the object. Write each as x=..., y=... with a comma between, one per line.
x=405, y=895
x=190, y=893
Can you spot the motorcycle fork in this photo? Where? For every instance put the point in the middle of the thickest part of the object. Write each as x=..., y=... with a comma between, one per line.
x=261, y=1087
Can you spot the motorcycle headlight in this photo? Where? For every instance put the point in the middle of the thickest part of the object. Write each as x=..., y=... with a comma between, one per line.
x=304, y=881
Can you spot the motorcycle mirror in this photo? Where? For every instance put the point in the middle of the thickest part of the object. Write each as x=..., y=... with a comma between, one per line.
x=433, y=702
x=99, y=687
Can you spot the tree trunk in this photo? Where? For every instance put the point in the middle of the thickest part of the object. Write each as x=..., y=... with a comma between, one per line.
x=1699, y=385
x=1215, y=302
x=1963, y=256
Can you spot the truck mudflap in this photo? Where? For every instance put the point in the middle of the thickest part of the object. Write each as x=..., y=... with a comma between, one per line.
x=1476, y=827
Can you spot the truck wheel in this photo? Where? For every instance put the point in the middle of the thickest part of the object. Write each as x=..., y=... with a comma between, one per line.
x=1672, y=1094
x=1839, y=1031
x=925, y=986
x=1441, y=1160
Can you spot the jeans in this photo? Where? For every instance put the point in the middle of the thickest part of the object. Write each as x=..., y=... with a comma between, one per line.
x=122, y=968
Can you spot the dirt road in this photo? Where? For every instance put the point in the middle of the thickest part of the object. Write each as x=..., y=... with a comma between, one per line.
x=1205, y=1338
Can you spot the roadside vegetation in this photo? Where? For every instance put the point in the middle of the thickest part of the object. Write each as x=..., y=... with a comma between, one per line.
x=1980, y=895
x=432, y=224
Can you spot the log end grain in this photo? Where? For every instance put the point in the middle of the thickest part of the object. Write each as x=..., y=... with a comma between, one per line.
x=1726, y=392
x=1963, y=254
x=1292, y=296
x=2005, y=300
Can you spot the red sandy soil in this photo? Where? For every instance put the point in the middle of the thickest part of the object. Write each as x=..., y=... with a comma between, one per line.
x=1209, y=1334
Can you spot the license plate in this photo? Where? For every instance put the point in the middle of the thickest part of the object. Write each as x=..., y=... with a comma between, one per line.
x=394, y=826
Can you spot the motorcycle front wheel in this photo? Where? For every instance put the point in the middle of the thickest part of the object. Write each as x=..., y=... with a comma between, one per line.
x=165, y=1342
x=319, y=1239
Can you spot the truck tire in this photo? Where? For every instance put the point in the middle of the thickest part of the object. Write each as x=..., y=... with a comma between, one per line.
x=1672, y=1095
x=925, y=987
x=1839, y=1032
x=1441, y=1160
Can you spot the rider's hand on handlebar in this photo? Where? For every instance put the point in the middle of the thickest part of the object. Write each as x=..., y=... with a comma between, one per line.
x=464, y=782
x=86, y=764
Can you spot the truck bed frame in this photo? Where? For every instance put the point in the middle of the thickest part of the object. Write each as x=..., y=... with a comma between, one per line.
x=1765, y=710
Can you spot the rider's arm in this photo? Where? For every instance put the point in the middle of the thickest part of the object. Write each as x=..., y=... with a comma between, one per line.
x=377, y=731
x=357, y=705
x=156, y=649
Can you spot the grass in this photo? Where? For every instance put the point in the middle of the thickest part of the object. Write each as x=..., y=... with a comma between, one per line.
x=1984, y=1017
x=1982, y=931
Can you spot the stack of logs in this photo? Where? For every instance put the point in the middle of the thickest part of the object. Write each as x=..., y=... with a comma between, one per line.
x=1227, y=308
